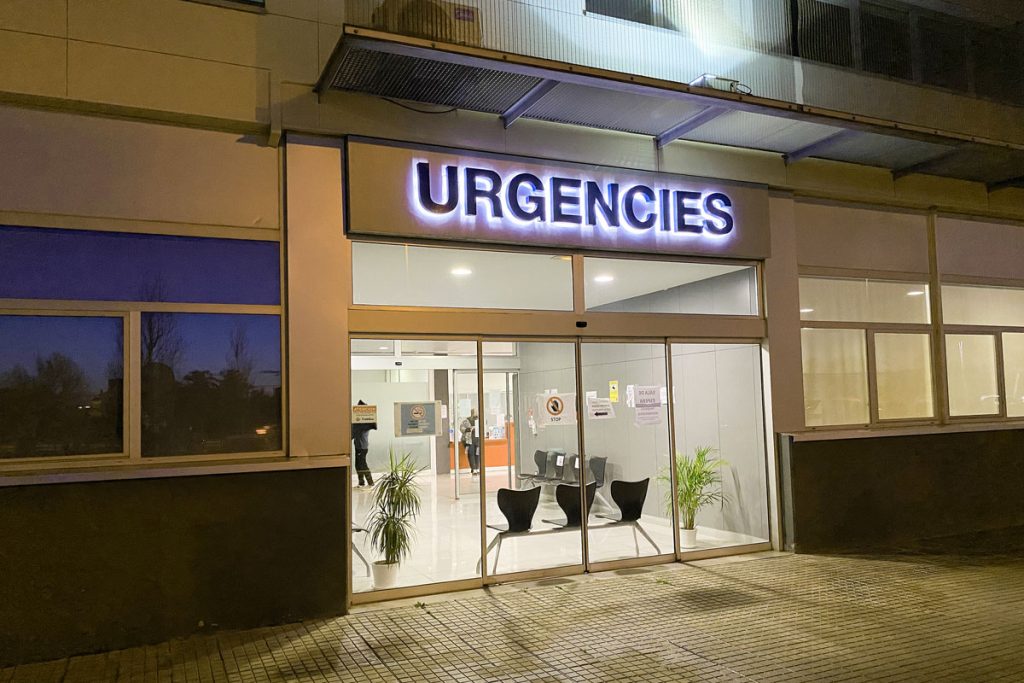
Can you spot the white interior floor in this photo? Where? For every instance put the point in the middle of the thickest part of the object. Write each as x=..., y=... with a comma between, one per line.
x=447, y=544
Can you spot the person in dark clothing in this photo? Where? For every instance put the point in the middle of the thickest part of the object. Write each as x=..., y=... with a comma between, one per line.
x=361, y=439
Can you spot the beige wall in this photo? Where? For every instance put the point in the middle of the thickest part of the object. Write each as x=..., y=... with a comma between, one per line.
x=318, y=296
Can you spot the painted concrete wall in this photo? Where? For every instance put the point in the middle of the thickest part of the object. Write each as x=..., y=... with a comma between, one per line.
x=102, y=566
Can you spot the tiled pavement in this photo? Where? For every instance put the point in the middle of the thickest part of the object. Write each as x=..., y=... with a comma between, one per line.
x=770, y=618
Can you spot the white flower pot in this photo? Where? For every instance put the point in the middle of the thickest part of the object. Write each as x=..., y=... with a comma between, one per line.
x=689, y=538
x=384, y=575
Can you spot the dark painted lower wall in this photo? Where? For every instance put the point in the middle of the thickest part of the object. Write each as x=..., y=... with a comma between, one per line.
x=886, y=492
x=99, y=566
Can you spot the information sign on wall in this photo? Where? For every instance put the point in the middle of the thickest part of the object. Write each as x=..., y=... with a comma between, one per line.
x=443, y=193
x=556, y=409
x=418, y=419
x=364, y=415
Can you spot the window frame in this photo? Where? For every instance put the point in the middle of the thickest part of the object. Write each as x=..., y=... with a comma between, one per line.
x=131, y=313
x=870, y=329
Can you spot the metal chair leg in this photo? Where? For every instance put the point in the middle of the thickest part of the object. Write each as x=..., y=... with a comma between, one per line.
x=495, y=541
x=360, y=556
x=649, y=539
x=636, y=542
x=497, y=554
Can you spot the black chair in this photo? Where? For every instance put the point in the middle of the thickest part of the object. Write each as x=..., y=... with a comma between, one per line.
x=629, y=496
x=568, y=498
x=518, y=508
x=540, y=459
x=554, y=469
x=571, y=471
x=597, y=467
x=355, y=530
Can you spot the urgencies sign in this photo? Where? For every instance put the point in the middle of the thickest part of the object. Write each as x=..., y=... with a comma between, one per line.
x=446, y=194
x=569, y=200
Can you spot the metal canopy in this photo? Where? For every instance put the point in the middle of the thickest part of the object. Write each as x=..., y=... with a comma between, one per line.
x=515, y=86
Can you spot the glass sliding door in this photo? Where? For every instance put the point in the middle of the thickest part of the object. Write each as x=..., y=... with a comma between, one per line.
x=626, y=440
x=530, y=448
x=719, y=412
x=416, y=394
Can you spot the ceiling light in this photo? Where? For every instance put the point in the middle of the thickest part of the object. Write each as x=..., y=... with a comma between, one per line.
x=461, y=271
x=604, y=278
x=382, y=348
x=916, y=292
x=807, y=310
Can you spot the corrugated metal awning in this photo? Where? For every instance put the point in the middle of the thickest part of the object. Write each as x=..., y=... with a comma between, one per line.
x=513, y=86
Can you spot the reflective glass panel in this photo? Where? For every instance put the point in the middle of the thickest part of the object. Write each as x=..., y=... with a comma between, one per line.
x=211, y=383
x=61, y=385
x=627, y=448
x=903, y=366
x=532, y=454
x=420, y=404
x=38, y=263
x=835, y=377
x=862, y=300
x=406, y=275
x=1013, y=367
x=719, y=410
x=642, y=286
x=963, y=305
x=971, y=374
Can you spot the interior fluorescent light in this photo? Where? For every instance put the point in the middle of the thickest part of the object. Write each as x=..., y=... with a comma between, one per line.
x=604, y=278
x=915, y=292
x=461, y=271
x=382, y=348
x=807, y=310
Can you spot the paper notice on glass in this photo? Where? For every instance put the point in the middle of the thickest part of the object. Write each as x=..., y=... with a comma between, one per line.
x=647, y=415
x=364, y=415
x=590, y=394
x=630, y=396
x=664, y=396
x=648, y=396
x=600, y=408
x=613, y=390
x=556, y=409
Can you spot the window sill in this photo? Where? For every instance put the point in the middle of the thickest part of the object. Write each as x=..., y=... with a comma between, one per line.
x=907, y=430
x=147, y=470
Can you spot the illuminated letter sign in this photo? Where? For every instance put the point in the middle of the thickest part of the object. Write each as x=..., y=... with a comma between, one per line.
x=471, y=192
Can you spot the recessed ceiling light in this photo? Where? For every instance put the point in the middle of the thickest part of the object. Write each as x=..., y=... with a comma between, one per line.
x=382, y=348
x=461, y=271
x=604, y=278
x=915, y=292
x=807, y=310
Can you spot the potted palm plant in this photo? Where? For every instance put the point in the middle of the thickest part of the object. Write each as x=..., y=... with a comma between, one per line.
x=394, y=505
x=698, y=484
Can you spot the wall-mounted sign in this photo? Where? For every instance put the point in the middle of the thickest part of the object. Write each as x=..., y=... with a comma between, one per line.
x=403, y=191
x=364, y=415
x=418, y=419
x=556, y=409
x=613, y=390
x=600, y=409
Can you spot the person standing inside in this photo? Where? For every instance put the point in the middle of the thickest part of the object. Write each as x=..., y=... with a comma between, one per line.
x=361, y=440
x=470, y=431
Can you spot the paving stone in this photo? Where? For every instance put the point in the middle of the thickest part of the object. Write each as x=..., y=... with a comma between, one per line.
x=780, y=618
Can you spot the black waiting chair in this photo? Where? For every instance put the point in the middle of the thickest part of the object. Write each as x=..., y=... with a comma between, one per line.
x=355, y=549
x=540, y=459
x=554, y=469
x=598, y=466
x=629, y=496
x=571, y=471
x=568, y=498
x=518, y=508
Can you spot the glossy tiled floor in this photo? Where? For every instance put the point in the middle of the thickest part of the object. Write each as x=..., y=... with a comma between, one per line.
x=772, y=617
x=447, y=542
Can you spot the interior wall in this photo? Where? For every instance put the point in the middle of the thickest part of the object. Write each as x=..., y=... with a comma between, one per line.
x=719, y=404
x=731, y=293
x=384, y=388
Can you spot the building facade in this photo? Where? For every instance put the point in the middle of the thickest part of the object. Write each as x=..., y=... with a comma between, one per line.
x=560, y=250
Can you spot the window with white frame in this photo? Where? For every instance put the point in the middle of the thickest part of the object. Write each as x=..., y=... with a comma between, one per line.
x=199, y=317
x=866, y=351
x=984, y=330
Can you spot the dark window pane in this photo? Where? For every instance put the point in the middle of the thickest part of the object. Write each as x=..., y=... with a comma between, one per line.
x=38, y=263
x=61, y=385
x=211, y=383
x=943, y=54
x=824, y=32
x=885, y=36
x=998, y=67
x=640, y=11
